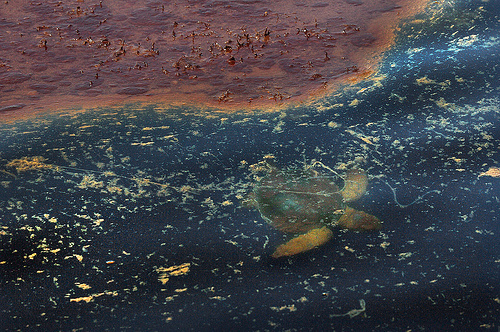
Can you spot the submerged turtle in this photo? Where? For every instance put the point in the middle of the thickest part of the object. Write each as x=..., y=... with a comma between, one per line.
x=305, y=204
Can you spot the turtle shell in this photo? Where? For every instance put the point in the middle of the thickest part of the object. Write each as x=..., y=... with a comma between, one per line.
x=297, y=201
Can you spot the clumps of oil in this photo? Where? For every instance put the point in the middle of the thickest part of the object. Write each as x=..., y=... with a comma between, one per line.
x=24, y=164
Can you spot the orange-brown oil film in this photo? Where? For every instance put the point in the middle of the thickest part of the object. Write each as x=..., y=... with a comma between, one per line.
x=228, y=54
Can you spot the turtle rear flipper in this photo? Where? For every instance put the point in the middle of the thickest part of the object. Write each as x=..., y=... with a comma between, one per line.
x=358, y=220
x=304, y=242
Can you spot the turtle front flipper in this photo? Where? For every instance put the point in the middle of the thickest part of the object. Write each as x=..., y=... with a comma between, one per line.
x=304, y=242
x=358, y=220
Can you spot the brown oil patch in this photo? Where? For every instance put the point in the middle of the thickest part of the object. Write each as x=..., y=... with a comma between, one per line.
x=229, y=54
x=494, y=172
x=25, y=164
x=90, y=298
x=304, y=242
x=172, y=271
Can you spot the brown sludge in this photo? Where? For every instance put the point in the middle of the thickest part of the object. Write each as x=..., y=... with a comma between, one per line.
x=228, y=54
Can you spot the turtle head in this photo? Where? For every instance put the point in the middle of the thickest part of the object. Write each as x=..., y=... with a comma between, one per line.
x=355, y=184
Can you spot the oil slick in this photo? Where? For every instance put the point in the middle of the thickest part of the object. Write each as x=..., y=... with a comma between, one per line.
x=266, y=55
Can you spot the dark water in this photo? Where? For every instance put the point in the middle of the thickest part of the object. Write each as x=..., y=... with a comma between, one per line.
x=132, y=217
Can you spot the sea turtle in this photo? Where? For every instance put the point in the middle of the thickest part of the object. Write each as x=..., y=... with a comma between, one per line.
x=304, y=204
